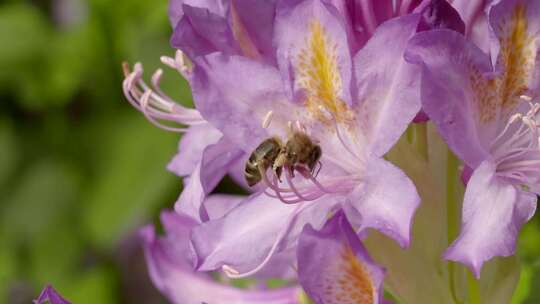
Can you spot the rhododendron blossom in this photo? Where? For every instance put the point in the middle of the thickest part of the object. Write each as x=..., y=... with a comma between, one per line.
x=313, y=103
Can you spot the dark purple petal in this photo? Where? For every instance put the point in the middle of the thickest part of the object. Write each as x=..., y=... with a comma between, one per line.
x=493, y=213
x=386, y=201
x=201, y=32
x=253, y=26
x=448, y=63
x=176, y=8
x=388, y=87
x=51, y=296
x=439, y=14
x=334, y=266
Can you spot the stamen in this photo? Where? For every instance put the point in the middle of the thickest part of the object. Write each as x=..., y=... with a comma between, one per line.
x=517, y=150
x=154, y=103
x=267, y=119
x=332, y=118
x=235, y=274
x=178, y=63
x=290, y=127
x=526, y=97
x=301, y=127
x=291, y=184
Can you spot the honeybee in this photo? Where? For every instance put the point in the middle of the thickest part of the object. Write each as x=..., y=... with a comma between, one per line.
x=261, y=159
x=298, y=150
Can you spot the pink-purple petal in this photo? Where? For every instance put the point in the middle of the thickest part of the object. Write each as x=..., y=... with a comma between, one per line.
x=171, y=272
x=191, y=147
x=295, y=23
x=217, y=160
x=388, y=87
x=386, y=200
x=493, y=213
x=334, y=267
x=447, y=94
x=235, y=93
x=244, y=237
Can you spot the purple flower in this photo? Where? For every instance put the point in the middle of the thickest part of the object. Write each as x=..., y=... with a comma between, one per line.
x=473, y=13
x=488, y=112
x=169, y=260
x=334, y=266
x=232, y=27
x=50, y=295
x=355, y=105
x=205, y=156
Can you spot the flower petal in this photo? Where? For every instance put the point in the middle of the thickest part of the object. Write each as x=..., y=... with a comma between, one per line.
x=172, y=275
x=253, y=26
x=493, y=213
x=439, y=14
x=201, y=31
x=515, y=26
x=244, y=238
x=217, y=160
x=334, y=266
x=313, y=52
x=176, y=9
x=191, y=147
x=448, y=62
x=238, y=105
x=386, y=201
x=49, y=295
x=388, y=87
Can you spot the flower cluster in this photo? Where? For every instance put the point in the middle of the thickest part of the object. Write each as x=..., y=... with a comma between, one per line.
x=302, y=100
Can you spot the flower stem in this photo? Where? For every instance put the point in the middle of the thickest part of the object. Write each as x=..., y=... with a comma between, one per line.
x=474, y=289
x=421, y=140
x=452, y=213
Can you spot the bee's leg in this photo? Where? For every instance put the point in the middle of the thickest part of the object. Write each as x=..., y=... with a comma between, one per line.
x=277, y=171
x=319, y=169
x=304, y=171
x=291, y=170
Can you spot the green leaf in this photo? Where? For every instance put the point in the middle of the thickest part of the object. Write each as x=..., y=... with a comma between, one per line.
x=97, y=285
x=9, y=155
x=131, y=179
x=42, y=198
x=499, y=279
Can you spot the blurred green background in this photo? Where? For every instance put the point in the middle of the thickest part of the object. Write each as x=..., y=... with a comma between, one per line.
x=80, y=169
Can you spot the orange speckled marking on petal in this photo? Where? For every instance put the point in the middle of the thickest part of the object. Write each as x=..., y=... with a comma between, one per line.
x=348, y=281
x=485, y=93
x=318, y=74
x=517, y=57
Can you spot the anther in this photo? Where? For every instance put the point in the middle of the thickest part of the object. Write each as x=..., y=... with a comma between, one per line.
x=326, y=113
x=267, y=119
x=526, y=97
